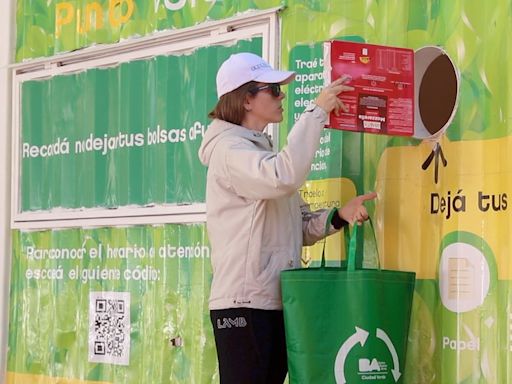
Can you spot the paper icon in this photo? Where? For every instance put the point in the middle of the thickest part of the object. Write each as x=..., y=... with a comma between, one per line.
x=464, y=277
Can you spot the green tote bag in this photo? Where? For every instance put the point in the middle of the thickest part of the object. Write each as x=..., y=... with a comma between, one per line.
x=346, y=325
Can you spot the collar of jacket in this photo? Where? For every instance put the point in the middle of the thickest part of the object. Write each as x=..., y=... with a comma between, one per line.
x=223, y=127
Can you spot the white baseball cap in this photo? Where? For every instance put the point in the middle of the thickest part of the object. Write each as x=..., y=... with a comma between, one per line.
x=243, y=67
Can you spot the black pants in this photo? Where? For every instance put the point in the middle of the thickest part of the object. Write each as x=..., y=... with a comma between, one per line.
x=251, y=345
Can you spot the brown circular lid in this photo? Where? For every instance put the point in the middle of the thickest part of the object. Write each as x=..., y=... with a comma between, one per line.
x=437, y=94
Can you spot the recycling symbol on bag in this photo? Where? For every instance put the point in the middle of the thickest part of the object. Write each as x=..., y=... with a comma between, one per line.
x=372, y=369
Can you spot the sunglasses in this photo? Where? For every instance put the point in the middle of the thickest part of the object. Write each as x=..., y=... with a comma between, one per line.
x=275, y=89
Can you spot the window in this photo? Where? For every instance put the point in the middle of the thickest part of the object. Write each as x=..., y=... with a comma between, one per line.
x=109, y=135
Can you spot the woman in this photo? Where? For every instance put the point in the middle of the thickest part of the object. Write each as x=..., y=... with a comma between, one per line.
x=257, y=223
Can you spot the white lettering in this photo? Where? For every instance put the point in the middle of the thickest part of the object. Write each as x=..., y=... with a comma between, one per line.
x=461, y=345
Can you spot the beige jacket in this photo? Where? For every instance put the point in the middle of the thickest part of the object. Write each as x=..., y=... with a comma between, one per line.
x=257, y=223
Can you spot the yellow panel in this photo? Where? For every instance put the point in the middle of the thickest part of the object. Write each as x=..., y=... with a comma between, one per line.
x=328, y=193
x=24, y=378
x=414, y=212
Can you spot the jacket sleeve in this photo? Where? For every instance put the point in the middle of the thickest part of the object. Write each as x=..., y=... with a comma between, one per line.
x=258, y=174
x=315, y=225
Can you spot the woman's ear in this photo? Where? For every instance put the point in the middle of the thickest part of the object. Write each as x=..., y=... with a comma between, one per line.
x=248, y=103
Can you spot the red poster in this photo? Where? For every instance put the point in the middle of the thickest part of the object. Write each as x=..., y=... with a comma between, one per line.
x=383, y=77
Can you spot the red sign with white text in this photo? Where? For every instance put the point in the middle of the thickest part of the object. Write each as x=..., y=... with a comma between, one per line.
x=383, y=78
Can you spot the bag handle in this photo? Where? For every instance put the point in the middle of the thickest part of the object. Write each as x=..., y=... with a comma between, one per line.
x=351, y=240
x=327, y=226
x=346, y=233
x=352, y=248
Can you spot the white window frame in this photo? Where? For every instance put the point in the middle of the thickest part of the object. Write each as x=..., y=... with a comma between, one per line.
x=264, y=24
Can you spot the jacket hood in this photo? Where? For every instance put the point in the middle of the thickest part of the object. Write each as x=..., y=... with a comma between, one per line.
x=219, y=129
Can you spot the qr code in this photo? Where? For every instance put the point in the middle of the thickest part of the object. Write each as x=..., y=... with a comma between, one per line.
x=109, y=327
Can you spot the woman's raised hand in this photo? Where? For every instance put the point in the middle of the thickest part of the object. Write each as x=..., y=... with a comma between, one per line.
x=328, y=99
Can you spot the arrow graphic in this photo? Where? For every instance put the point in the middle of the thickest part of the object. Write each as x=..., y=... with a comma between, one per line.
x=360, y=337
x=306, y=261
x=396, y=364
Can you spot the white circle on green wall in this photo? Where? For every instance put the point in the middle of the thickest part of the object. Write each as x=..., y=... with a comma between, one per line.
x=464, y=277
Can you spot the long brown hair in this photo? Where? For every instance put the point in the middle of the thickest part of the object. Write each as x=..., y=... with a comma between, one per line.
x=230, y=106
